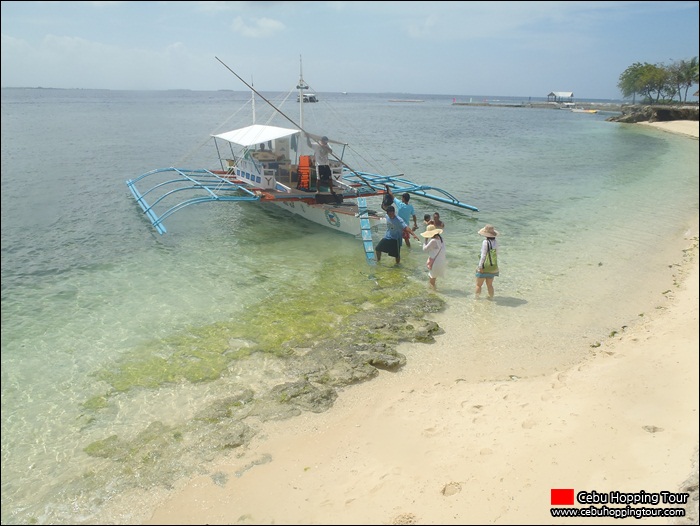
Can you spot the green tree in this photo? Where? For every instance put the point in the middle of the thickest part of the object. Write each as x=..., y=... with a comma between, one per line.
x=651, y=81
x=646, y=80
x=628, y=84
x=685, y=75
x=655, y=82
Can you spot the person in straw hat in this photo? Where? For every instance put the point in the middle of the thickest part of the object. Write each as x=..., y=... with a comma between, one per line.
x=435, y=246
x=488, y=263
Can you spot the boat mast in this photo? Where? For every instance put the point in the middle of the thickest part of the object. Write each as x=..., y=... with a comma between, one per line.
x=301, y=87
x=252, y=97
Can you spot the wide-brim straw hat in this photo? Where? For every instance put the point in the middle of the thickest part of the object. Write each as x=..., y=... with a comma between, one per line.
x=431, y=231
x=488, y=231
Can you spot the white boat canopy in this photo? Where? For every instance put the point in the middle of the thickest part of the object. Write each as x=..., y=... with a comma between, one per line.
x=255, y=134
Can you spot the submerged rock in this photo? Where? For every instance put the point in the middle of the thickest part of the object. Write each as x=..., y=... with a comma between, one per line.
x=296, y=366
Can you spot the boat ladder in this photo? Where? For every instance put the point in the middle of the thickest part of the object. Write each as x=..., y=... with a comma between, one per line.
x=366, y=231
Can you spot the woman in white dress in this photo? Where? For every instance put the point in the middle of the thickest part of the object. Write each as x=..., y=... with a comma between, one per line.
x=435, y=246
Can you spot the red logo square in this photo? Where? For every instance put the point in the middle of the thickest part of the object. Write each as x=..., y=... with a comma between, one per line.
x=562, y=497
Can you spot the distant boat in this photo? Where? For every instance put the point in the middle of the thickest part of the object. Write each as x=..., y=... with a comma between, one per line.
x=344, y=92
x=308, y=97
x=583, y=110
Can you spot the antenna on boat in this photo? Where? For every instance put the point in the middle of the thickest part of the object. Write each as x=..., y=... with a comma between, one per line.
x=301, y=87
x=298, y=126
x=252, y=98
x=261, y=96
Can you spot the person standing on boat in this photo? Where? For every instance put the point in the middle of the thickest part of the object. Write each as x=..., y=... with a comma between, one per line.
x=437, y=261
x=323, y=165
x=406, y=212
x=391, y=242
x=488, y=262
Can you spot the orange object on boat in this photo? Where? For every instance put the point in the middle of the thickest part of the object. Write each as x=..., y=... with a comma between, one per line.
x=304, y=182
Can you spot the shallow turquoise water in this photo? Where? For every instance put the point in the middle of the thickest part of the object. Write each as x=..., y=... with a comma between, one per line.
x=590, y=215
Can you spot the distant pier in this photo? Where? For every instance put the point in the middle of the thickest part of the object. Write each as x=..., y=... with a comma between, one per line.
x=600, y=106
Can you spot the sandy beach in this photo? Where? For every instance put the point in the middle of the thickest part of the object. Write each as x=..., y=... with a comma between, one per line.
x=689, y=128
x=424, y=446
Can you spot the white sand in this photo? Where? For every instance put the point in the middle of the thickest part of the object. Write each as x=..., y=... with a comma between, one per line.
x=689, y=128
x=421, y=446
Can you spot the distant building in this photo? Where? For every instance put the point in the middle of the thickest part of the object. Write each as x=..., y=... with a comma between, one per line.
x=561, y=96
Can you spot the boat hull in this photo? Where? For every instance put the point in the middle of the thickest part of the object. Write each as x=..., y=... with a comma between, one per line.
x=321, y=209
x=341, y=218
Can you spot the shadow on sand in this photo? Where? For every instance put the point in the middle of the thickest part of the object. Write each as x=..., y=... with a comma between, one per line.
x=507, y=301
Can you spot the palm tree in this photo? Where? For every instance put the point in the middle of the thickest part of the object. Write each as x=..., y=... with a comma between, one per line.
x=688, y=76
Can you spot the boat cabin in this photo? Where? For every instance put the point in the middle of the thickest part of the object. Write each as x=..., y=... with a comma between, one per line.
x=268, y=157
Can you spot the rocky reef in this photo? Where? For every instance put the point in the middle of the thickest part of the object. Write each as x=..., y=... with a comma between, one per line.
x=640, y=113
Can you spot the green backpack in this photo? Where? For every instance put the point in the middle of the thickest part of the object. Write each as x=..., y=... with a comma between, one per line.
x=491, y=262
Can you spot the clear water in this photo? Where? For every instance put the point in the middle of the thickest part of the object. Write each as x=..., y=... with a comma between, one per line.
x=94, y=302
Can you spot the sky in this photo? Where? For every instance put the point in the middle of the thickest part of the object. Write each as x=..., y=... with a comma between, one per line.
x=514, y=49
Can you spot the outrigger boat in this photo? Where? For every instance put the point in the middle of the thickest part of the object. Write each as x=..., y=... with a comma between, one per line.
x=266, y=164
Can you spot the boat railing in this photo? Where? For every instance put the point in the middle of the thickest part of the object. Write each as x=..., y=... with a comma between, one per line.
x=263, y=173
x=336, y=169
x=253, y=171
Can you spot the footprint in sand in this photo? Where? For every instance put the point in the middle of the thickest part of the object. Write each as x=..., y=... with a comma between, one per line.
x=528, y=424
x=430, y=431
x=451, y=488
x=652, y=429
